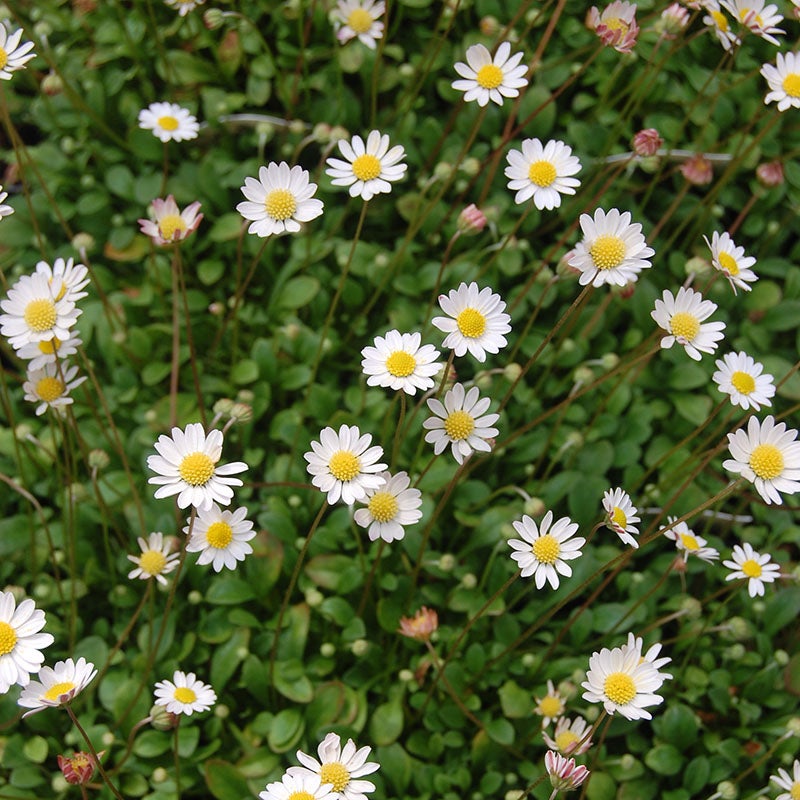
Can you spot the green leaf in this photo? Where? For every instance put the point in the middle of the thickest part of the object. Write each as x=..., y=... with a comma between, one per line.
x=677, y=726
x=298, y=292
x=664, y=759
x=291, y=682
x=244, y=371
x=500, y=731
x=225, y=782
x=35, y=749
x=601, y=786
x=694, y=408
x=783, y=608
x=386, y=723
x=515, y=701
x=287, y=730
x=696, y=774
x=152, y=743
x=227, y=658
x=229, y=592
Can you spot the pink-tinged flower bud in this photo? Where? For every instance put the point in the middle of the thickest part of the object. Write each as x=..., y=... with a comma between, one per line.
x=421, y=626
x=647, y=142
x=564, y=774
x=697, y=170
x=770, y=174
x=471, y=220
x=674, y=18
x=489, y=26
x=77, y=768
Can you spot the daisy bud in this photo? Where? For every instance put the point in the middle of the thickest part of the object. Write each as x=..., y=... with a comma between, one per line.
x=512, y=371
x=447, y=562
x=471, y=220
x=534, y=507
x=615, y=26
x=793, y=726
x=698, y=266
x=359, y=647
x=647, y=142
x=781, y=658
x=52, y=84
x=161, y=719
x=564, y=774
x=159, y=775
x=242, y=412
x=98, y=459
x=770, y=174
x=697, y=170
x=327, y=649
x=213, y=18
x=727, y=790
x=674, y=19
x=421, y=626
x=216, y=309
x=610, y=360
x=77, y=768
x=223, y=407
x=489, y=25
x=83, y=242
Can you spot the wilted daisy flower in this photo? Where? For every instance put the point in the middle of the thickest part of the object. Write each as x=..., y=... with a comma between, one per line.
x=620, y=515
x=50, y=386
x=544, y=551
x=13, y=55
x=768, y=455
x=459, y=422
x=279, y=200
x=343, y=464
x=169, y=223
x=565, y=775
x=169, y=121
x=184, y=694
x=791, y=783
x=79, y=768
x=397, y=361
x=761, y=19
x=747, y=563
x=682, y=317
x=183, y=7
x=731, y=260
x=569, y=736
x=784, y=81
x=359, y=18
x=20, y=641
x=38, y=354
x=57, y=686
x=688, y=542
x=616, y=26
x=475, y=321
x=155, y=560
x=390, y=507
x=542, y=172
x=369, y=166
x=651, y=656
x=551, y=706
x=613, y=249
x=221, y=537
x=342, y=767
x=5, y=210
x=296, y=785
x=421, y=626
x=718, y=23
x=647, y=142
x=487, y=78
x=186, y=465
x=744, y=379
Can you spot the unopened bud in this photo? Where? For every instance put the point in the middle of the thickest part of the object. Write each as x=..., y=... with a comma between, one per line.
x=697, y=170
x=98, y=459
x=489, y=26
x=471, y=166
x=727, y=790
x=242, y=412
x=471, y=220
x=223, y=406
x=327, y=649
x=770, y=174
x=161, y=719
x=213, y=18
x=359, y=647
x=534, y=507
x=512, y=371
x=52, y=84
x=647, y=142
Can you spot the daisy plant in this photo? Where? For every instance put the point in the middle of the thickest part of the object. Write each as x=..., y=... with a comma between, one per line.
x=169, y=224
x=683, y=317
x=359, y=19
x=221, y=537
x=620, y=515
x=184, y=694
x=156, y=559
x=400, y=362
x=731, y=261
x=743, y=378
x=14, y=53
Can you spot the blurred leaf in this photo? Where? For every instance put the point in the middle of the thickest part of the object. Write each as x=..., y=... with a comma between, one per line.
x=224, y=781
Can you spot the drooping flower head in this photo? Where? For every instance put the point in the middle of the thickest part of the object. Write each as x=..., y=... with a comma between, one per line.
x=370, y=165
x=390, y=507
x=169, y=224
x=620, y=515
x=359, y=18
x=155, y=560
x=184, y=694
x=744, y=379
x=221, y=537
x=731, y=261
x=57, y=686
x=616, y=26
x=398, y=361
x=20, y=641
x=169, y=122
x=485, y=78
x=542, y=172
x=756, y=568
x=421, y=626
x=647, y=142
x=682, y=316
x=784, y=81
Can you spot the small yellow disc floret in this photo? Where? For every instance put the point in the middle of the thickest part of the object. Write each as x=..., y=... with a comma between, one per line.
x=344, y=465
x=546, y=549
x=766, y=461
x=196, y=469
x=459, y=425
x=619, y=688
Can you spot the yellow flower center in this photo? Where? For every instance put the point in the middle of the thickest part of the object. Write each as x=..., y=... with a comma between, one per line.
x=168, y=123
x=550, y=706
x=720, y=20
x=152, y=562
x=196, y=469
x=794, y=792
x=684, y=325
x=219, y=534
x=383, y=507
x=8, y=638
x=565, y=740
x=616, y=24
x=336, y=774
x=280, y=204
x=57, y=689
x=344, y=466
x=51, y=346
x=755, y=18
x=183, y=694
x=170, y=225
x=471, y=323
x=546, y=549
x=607, y=252
x=367, y=167
x=619, y=688
x=301, y=796
x=751, y=568
x=618, y=517
x=489, y=76
x=40, y=315
x=459, y=425
x=50, y=389
x=359, y=21
x=766, y=461
x=542, y=173
x=728, y=263
x=791, y=84
x=3, y=58
x=742, y=382
x=689, y=542
x=400, y=364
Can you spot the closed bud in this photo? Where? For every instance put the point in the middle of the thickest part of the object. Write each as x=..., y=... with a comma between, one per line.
x=223, y=406
x=770, y=174
x=471, y=220
x=534, y=507
x=359, y=647
x=98, y=459
x=697, y=170
x=472, y=166
x=327, y=649
x=647, y=142
x=213, y=18
x=727, y=790
x=163, y=720
x=77, y=768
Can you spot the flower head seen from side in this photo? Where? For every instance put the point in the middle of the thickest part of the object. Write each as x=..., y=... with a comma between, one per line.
x=183, y=7
x=169, y=122
x=5, y=211
x=731, y=261
x=688, y=543
x=616, y=25
x=719, y=24
x=485, y=78
x=756, y=568
x=344, y=465
x=156, y=559
x=370, y=167
x=14, y=54
x=744, y=379
x=757, y=17
x=186, y=465
x=184, y=694
x=359, y=18
x=40, y=354
x=789, y=783
x=783, y=80
x=50, y=386
x=341, y=767
x=543, y=550
x=169, y=224
x=682, y=316
x=475, y=321
x=542, y=172
x=569, y=737
x=768, y=456
x=57, y=685
x=698, y=170
x=613, y=249
x=390, y=507
x=551, y=706
x=460, y=422
x=279, y=201
x=221, y=537
x=20, y=641
x=421, y=626
x=620, y=515
x=398, y=361
x=565, y=775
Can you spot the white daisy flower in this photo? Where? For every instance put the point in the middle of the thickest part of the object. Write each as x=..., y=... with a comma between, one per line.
x=397, y=361
x=184, y=694
x=20, y=641
x=744, y=379
x=651, y=656
x=169, y=223
x=613, y=249
x=759, y=18
x=390, y=507
x=747, y=563
x=369, y=166
x=186, y=465
x=183, y=7
x=5, y=211
x=475, y=321
x=768, y=455
x=682, y=317
x=688, y=542
x=731, y=261
x=359, y=18
x=791, y=783
x=784, y=81
x=551, y=706
x=620, y=515
x=544, y=551
x=33, y=312
x=459, y=422
x=623, y=682
x=279, y=200
x=296, y=785
x=39, y=354
x=542, y=172
x=72, y=278
x=716, y=20
x=616, y=25
x=487, y=78
x=341, y=767
x=221, y=537
x=343, y=465
x=155, y=560
x=57, y=686
x=569, y=737
x=13, y=55
x=169, y=121
x=50, y=386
